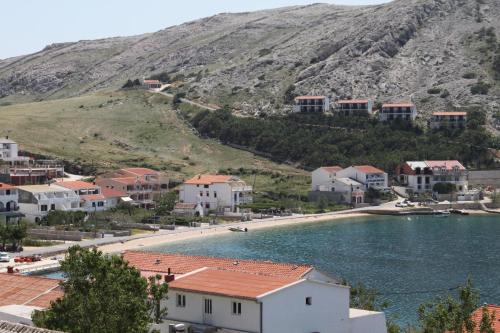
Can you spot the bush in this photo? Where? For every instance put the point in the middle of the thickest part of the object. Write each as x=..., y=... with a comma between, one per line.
x=444, y=188
x=434, y=91
x=444, y=94
x=480, y=88
x=469, y=75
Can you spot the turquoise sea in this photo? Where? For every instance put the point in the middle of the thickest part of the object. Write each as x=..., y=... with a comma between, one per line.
x=409, y=260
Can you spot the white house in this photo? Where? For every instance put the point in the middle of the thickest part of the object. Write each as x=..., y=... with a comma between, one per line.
x=450, y=120
x=323, y=176
x=216, y=192
x=35, y=201
x=9, y=151
x=239, y=301
x=9, y=203
x=403, y=111
x=354, y=107
x=91, y=198
x=367, y=175
x=421, y=176
x=311, y=104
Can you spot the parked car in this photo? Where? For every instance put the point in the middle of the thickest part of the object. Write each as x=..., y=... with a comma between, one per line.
x=4, y=257
x=401, y=204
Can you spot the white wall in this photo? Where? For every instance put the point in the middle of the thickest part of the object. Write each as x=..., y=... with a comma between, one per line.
x=363, y=178
x=320, y=177
x=286, y=309
x=368, y=321
x=249, y=320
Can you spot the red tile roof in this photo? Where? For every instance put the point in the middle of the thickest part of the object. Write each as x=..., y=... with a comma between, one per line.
x=398, y=105
x=28, y=290
x=127, y=180
x=77, y=185
x=453, y=113
x=332, y=169
x=141, y=171
x=367, y=169
x=478, y=314
x=448, y=165
x=112, y=193
x=208, y=179
x=309, y=97
x=182, y=264
x=353, y=101
x=92, y=197
x=151, y=81
x=229, y=283
x=4, y=186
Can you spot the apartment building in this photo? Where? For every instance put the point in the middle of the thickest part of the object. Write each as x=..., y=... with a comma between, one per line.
x=449, y=120
x=311, y=104
x=354, y=107
x=421, y=176
x=36, y=201
x=403, y=111
x=91, y=198
x=9, y=151
x=9, y=203
x=142, y=185
x=369, y=176
x=216, y=192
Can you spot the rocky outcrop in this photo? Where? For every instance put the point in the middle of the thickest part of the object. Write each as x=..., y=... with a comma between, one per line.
x=396, y=51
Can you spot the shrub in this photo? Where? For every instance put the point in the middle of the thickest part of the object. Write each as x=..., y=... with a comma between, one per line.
x=469, y=75
x=480, y=88
x=444, y=188
x=434, y=91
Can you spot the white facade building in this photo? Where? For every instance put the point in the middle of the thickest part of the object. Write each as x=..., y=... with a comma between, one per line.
x=322, y=177
x=9, y=151
x=367, y=175
x=311, y=104
x=354, y=107
x=9, y=198
x=449, y=120
x=421, y=176
x=35, y=201
x=403, y=111
x=91, y=198
x=237, y=301
x=216, y=192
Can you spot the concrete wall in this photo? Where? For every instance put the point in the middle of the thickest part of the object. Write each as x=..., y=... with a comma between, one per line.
x=369, y=321
x=286, y=310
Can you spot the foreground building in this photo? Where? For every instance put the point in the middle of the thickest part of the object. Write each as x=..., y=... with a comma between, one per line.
x=421, y=176
x=354, y=107
x=254, y=296
x=402, y=111
x=449, y=120
x=142, y=185
x=36, y=201
x=221, y=193
x=311, y=104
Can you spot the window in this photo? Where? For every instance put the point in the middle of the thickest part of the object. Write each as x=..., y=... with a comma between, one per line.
x=53, y=207
x=100, y=204
x=236, y=308
x=208, y=194
x=43, y=208
x=208, y=306
x=206, y=186
x=181, y=301
x=93, y=204
x=201, y=193
x=215, y=194
x=309, y=301
x=207, y=205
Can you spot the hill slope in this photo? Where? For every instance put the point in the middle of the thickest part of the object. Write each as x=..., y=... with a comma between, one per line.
x=392, y=52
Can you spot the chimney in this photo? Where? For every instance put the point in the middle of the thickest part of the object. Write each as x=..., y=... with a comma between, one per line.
x=168, y=271
x=168, y=278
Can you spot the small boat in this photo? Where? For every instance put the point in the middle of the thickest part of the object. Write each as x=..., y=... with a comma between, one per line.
x=238, y=229
x=442, y=213
x=459, y=211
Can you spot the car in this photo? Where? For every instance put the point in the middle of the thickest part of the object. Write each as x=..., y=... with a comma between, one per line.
x=401, y=204
x=4, y=257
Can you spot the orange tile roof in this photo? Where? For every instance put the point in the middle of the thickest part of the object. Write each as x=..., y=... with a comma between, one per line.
x=397, y=105
x=367, y=169
x=28, y=290
x=208, y=179
x=332, y=169
x=92, y=197
x=352, y=101
x=152, y=81
x=182, y=264
x=112, y=193
x=141, y=171
x=127, y=180
x=4, y=186
x=76, y=185
x=309, y=97
x=451, y=113
x=478, y=314
x=448, y=165
x=229, y=283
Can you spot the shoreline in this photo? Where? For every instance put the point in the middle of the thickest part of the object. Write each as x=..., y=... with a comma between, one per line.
x=223, y=229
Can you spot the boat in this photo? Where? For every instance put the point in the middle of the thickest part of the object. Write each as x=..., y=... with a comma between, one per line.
x=238, y=229
x=442, y=213
x=459, y=211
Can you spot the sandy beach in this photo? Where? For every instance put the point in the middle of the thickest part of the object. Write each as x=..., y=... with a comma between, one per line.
x=193, y=233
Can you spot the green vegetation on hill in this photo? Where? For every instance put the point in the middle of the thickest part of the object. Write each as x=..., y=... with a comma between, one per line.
x=315, y=140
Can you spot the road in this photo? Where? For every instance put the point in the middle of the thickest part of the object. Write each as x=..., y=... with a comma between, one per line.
x=188, y=101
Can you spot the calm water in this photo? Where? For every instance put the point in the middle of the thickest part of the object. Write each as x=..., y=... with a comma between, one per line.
x=408, y=260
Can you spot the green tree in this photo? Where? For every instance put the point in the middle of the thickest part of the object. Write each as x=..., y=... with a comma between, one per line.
x=158, y=292
x=101, y=294
x=487, y=320
x=166, y=203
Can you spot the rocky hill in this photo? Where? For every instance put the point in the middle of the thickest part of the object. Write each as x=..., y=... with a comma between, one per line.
x=431, y=51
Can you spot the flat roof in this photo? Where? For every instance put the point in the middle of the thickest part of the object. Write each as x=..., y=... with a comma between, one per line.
x=229, y=283
x=349, y=181
x=43, y=188
x=210, y=179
